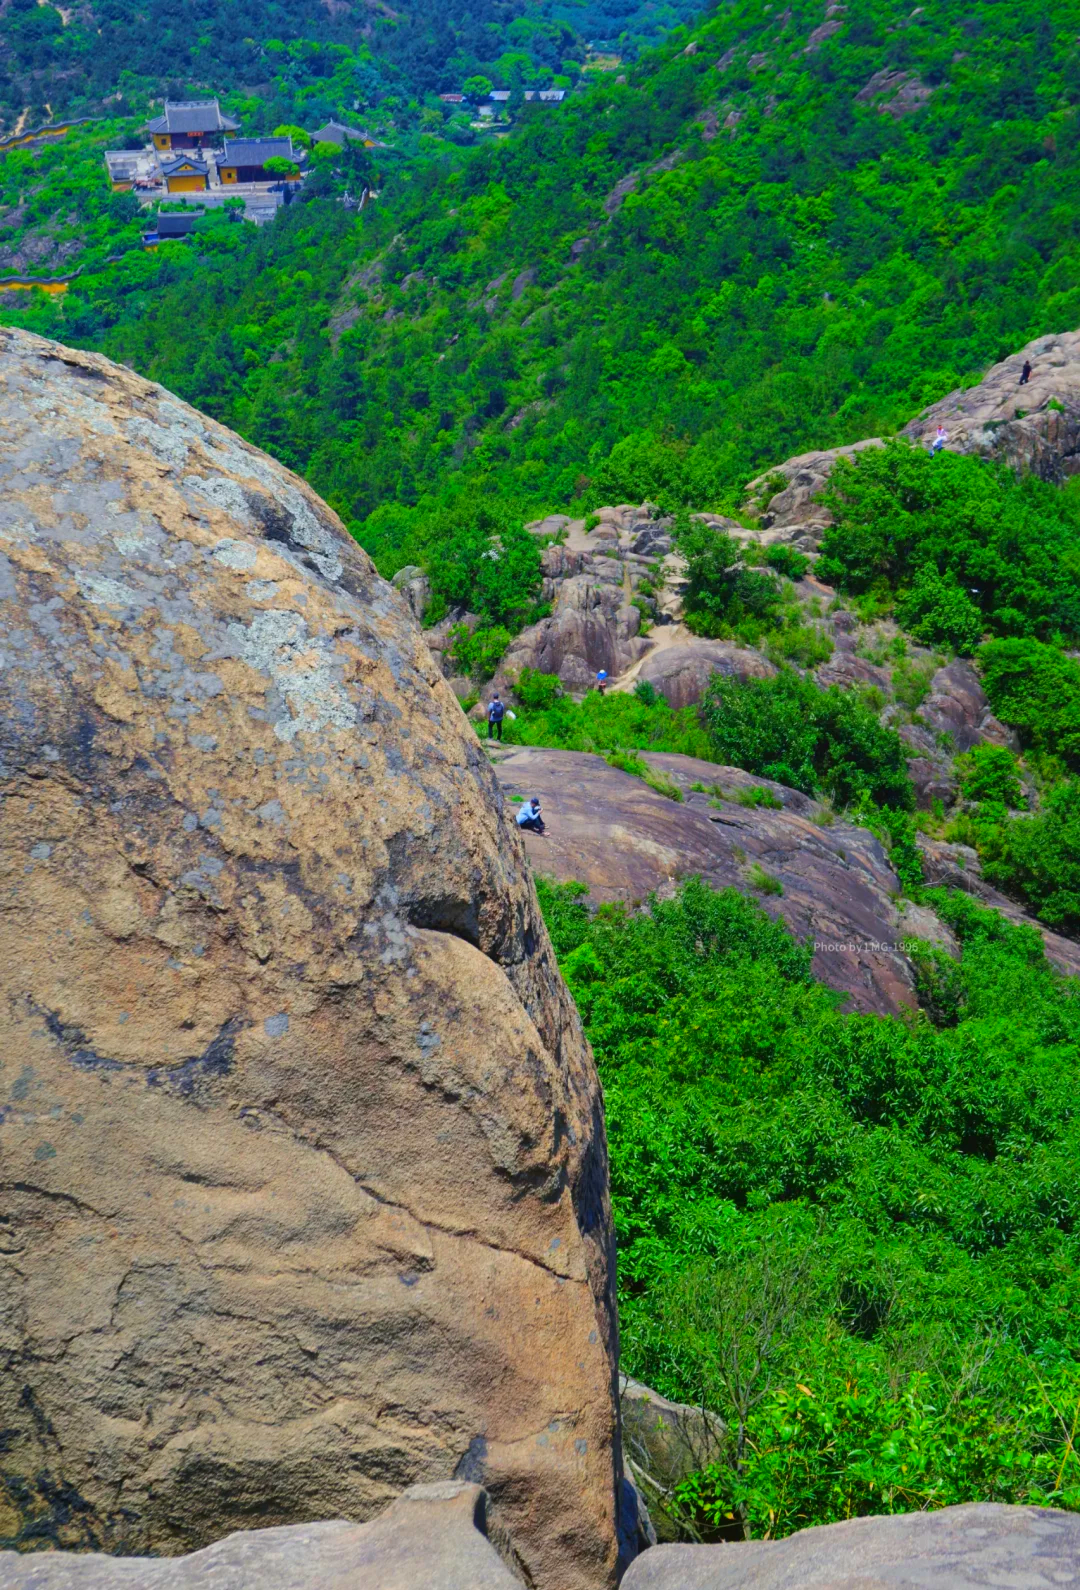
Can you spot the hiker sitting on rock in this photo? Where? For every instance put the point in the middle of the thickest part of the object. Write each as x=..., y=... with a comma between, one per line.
x=529, y=816
x=496, y=713
x=939, y=440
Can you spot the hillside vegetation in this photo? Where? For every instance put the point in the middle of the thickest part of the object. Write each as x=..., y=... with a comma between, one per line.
x=293, y=58
x=853, y=1236
x=813, y=267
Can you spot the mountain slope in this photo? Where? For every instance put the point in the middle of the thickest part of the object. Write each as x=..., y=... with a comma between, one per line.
x=739, y=253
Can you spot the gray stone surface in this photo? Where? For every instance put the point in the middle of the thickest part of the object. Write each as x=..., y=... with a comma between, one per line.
x=432, y=1538
x=1015, y=1548
x=681, y=673
x=664, y=1443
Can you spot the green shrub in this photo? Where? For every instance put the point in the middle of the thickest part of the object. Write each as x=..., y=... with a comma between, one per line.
x=720, y=592
x=937, y=611
x=974, y=546
x=537, y=691
x=477, y=653
x=990, y=773
x=1036, y=689
x=786, y=561
x=788, y=730
x=911, y=683
x=1038, y=858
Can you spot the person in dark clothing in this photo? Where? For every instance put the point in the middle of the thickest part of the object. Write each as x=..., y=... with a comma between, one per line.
x=496, y=713
x=529, y=816
x=1025, y=373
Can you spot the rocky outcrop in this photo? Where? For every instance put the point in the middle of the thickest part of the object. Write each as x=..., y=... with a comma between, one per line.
x=1035, y=427
x=593, y=626
x=949, y=866
x=956, y=1548
x=663, y=1444
x=415, y=587
x=434, y=1537
x=682, y=673
x=610, y=830
x=304, y=1167
x=785, y=497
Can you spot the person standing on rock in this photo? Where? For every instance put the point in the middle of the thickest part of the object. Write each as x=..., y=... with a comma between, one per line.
x=1025, y=373
x=601, y=680
x=496, y=713
x=529, y=816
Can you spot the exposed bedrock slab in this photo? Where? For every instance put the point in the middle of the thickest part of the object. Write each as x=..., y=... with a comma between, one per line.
x=958, y=1548
x=1033, y=427
x=304, y=1175
x=613, y=832
x=432, y=1538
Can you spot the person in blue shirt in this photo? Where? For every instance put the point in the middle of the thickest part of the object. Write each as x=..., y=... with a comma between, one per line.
x=529, y=816
x=601, y=680
x=496, y=713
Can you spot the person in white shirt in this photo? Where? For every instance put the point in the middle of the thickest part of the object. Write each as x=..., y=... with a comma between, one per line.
x=939, y=440
x=529, y=816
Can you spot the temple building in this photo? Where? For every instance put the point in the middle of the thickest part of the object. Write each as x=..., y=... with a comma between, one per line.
x=185, y=174
x=245, y=159
x=190, y=124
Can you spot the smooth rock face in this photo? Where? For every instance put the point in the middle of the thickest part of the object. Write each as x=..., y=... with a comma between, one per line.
x=681, y=673
x=431, y=1538
x=1035, y=427
x=609, y=830
x=304, y=1167
x=1026, y=1548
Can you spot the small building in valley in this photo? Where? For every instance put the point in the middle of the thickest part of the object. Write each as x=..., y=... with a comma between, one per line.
x=245, y=160
x=335, y=132
x=190, y=124
x=185, y=174
x=167, y=228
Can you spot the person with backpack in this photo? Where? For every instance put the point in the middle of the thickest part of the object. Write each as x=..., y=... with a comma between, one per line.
x=496, y=713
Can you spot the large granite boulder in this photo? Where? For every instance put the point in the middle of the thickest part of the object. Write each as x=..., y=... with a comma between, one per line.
x=981, y=1544
x=434, y=1537
x=304, y=1165
x=787, y=495
x=592, y=626
x=1034, y=427
x=681, y=673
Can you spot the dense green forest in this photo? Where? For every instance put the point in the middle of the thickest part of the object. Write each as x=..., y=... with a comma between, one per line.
x=275, y=62
x=853, y=1236
x=811, y=269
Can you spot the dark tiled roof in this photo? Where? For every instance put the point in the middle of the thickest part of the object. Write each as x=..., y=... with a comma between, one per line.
x=179, y=162
x=191, y=116
x=256, y=151
x=335, y=132
x=175, y=225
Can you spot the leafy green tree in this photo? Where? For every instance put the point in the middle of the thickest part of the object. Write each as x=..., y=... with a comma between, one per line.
x=956, y=537
x=1035, y=688
x=720, y=591
x=786, y=729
